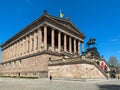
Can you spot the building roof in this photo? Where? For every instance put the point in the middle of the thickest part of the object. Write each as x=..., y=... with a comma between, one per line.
x=62, y=22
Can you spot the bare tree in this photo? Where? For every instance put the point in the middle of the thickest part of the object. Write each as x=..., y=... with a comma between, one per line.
x=113, y=61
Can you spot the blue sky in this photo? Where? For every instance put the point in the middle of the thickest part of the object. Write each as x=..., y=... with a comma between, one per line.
x=98, y=19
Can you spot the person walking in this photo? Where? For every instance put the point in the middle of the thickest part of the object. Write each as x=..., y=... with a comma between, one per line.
x=50, y=77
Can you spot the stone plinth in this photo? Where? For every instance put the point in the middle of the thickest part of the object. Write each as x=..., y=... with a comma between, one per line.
x=75, y=68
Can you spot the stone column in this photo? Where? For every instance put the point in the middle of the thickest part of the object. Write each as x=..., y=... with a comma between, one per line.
x=32, y=43
x=59, y=41
x=30, y=48
x=74, y=46
x=13, y=50
x=23, y=46
x=39, y=39
x=35, y=39
x=52, y=39
x=27, y=45
x=16, y=50
x=65, y=43
x=79, y=47
x=20, y=47
x=45, y=37
x=11, y=53
x=10, y=50
x=70, y=47
x=82, y=47
x=8, y=53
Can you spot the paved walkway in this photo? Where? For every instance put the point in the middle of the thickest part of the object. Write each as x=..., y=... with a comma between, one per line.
x=45, y=84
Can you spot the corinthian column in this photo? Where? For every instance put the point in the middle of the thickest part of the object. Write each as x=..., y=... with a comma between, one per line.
x=70, y=47
x=59, y=41
x=27, y=44
x=35, y=41
x=52, y=37
x=45, y=37
x=79, y=47
x=74, y=46
x=31, y=43
x=23, y=51
x=39, y=39
x=65, y=44
x=26, y=47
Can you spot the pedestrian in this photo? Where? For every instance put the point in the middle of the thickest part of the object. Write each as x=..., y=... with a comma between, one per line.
x=50, y=77
x=118, y=77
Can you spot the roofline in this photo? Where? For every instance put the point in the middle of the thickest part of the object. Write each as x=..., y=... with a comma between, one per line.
x=21, y=31
x=29, y=25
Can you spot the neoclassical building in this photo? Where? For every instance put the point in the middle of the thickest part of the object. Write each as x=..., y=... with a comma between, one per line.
x=48, y=46
x=47, y=37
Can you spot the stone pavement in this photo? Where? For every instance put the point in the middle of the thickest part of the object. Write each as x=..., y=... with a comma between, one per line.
x=46, y=84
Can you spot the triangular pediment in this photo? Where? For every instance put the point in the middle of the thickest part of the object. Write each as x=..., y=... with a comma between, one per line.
x=66, y=23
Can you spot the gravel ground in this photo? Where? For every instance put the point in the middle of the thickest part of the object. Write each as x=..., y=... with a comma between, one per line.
x=46, y=84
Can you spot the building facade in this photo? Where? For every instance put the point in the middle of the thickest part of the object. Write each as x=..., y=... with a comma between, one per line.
x=47, y=38
x=50, y=46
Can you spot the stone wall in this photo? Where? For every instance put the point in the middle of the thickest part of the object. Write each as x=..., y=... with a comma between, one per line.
x=44, y=65
x=32, y=66
x=75, y=71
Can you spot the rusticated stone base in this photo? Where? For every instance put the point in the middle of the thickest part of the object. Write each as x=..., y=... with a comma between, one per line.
x=45, y=65
x=75, y=68
x=75, y=71
x=40, y=74
x=35, y=66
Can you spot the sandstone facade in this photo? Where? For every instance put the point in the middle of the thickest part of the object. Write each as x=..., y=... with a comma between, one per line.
x=76, y=68
x=36, y=66
x=76, y=71
x=37, y=48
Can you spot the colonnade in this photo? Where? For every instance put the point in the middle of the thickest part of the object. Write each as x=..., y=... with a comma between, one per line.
x=37, y=40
